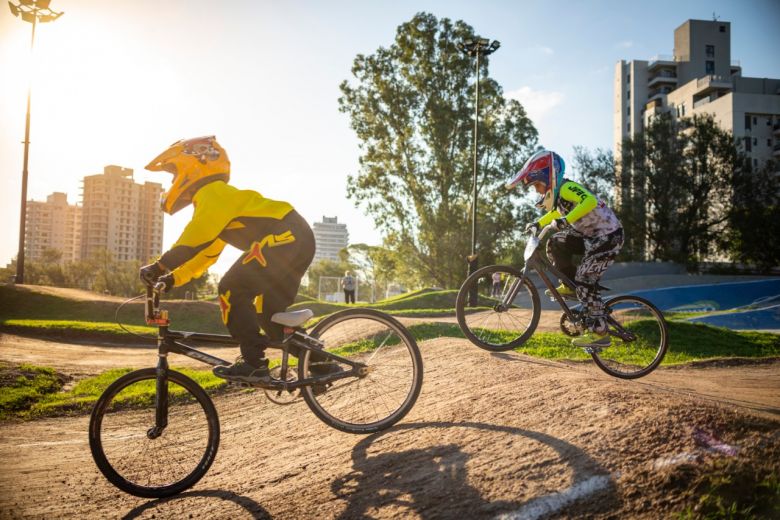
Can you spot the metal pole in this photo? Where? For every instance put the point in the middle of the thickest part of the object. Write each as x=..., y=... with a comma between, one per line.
x=473, y=263
x=23, y=217
x=474, y=198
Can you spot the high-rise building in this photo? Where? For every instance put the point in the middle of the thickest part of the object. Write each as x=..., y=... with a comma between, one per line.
x=699, y=78
x=53, y=224
x=121, y=216
x=330, y=237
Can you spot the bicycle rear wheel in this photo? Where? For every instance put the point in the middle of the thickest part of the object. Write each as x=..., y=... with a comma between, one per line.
x=136, y=461
x=386, y=393
x=495, y=324
x=640, y=338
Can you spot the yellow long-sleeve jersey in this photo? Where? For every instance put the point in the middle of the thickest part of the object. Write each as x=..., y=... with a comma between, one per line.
x=223, y=215
x=586, y=213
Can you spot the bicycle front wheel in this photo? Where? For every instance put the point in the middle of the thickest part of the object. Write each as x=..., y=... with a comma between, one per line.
x=389, y=388
x=640, y=338
x=487, y=313
x=138, y=461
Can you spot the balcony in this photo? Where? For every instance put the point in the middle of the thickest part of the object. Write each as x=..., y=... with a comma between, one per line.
x=664, y=77
x=660, y=61
x=712, y=83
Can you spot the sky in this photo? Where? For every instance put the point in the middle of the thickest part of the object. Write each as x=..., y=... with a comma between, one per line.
x=117, y=82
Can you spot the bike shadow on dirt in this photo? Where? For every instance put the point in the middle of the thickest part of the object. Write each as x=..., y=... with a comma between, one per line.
x=434, y=483
x=250, y=506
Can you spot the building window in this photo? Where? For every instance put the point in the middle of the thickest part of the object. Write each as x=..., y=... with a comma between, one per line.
x=628, y=78
x=755, y=141
x=709, y=67
x=628, y=94
x=628, y=127
x=748, y=148
x=722, y=28
x=710, y=51
x=755, y=163
x=769, y=142
x=628, y=111
x=755, y=120
x=747, y=122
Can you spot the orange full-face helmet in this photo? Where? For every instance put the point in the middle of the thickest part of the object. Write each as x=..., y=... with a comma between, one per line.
x=193, y=163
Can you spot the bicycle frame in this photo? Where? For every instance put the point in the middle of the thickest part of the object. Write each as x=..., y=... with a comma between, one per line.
x=170, y=341
x=540, y=263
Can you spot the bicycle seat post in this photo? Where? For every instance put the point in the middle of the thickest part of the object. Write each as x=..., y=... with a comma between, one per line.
x=285, y=357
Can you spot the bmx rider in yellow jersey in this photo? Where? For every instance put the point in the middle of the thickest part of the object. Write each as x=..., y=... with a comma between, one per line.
x=277, y=245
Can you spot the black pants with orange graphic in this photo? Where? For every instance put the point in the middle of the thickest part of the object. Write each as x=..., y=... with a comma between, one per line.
x=262, y=282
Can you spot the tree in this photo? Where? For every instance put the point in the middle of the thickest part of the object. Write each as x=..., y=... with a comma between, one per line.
x=754, y=221
x=675, y=188
x=377, y=264
x=596, y=171
x=411, y=106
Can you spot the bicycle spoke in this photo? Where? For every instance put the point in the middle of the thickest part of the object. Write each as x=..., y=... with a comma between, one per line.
x=381, y=395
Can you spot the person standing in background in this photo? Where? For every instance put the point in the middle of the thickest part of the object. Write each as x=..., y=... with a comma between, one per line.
x=348, y=284
x=496, y=284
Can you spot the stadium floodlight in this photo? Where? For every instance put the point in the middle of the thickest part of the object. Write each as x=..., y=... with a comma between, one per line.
x=34, y=12
x=476, y=47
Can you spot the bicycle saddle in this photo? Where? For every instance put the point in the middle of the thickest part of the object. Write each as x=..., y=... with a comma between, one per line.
x=292, y=319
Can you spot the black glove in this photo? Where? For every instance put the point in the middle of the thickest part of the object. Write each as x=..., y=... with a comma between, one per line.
x=533, y=227
x=167, y=280
x=560, y=223
x=150, y=273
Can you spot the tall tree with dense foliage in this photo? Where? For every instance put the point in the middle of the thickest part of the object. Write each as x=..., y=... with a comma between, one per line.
x=411, y=105
x=596, y=171
x=675, y=188
x=753, y=235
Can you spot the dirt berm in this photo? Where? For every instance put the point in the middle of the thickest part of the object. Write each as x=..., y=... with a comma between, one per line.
x=491, y=436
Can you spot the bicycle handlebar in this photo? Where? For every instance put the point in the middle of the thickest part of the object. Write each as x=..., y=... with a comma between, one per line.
x=542, y=233
x=154, y=316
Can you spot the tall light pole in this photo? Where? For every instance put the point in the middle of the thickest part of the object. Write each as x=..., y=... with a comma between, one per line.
x=476, y=47
x=33, y=11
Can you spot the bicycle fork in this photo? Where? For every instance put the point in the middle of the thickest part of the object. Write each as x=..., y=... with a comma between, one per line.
x=160, y=399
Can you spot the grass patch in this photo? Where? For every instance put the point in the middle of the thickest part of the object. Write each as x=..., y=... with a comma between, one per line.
x=25, y=385
x=41, y=395
x=25, y=303
x=70, y=328
x=732, y=490
x=688, y=342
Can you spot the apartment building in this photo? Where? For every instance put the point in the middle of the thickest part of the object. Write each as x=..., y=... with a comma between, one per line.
x=121, y=216
x=53, y=224
x=700, y=77
x=330, y=237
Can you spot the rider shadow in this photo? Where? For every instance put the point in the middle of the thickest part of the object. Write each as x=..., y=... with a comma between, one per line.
x=434, y=482
x=250, y=506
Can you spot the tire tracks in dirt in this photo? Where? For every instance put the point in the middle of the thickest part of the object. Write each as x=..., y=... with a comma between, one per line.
x=490, y=435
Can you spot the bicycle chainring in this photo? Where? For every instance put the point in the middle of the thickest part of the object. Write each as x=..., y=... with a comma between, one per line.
x=283, y=397
x=568, y=327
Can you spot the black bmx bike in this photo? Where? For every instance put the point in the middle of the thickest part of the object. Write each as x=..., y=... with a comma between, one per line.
x=498, y=309
x=154, y=432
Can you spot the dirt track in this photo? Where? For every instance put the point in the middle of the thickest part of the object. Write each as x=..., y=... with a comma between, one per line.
x=491, y=434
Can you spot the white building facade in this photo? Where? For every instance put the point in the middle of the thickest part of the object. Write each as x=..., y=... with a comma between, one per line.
x=53, y=224
x=330, y=237
x=699, y=78
x=121, y=216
